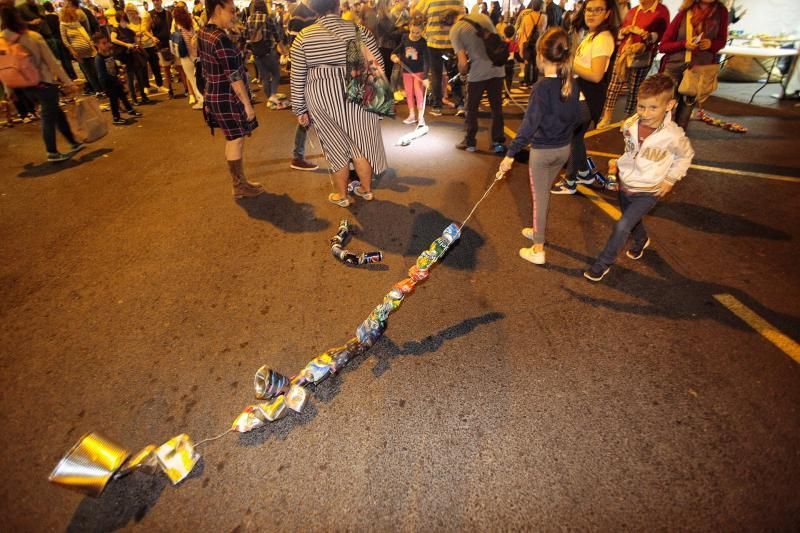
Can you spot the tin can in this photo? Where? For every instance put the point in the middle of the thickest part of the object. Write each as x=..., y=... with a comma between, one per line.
x=318, y=368
x=177, y=457
x=296, y=398
x=250, y=419
x=342, y=233
x=451, y=233
x=273, y=410
x=405, y=286
x=370, y=257
x=269, y=383
x=418, y=274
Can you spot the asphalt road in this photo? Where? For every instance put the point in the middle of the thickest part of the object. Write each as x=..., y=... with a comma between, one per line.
x=138, y=299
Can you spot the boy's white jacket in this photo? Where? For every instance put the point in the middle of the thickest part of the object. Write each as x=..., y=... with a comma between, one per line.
x=665, y=155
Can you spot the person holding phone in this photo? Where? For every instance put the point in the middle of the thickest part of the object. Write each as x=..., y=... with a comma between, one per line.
x=709, y=33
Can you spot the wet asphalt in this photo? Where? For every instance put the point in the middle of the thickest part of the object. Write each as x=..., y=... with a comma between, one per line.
x=137, y=299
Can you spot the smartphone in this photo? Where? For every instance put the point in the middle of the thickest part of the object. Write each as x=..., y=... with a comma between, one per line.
x=697, y=39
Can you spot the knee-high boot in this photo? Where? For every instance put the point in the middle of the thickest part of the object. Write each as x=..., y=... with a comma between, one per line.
x=241, y=187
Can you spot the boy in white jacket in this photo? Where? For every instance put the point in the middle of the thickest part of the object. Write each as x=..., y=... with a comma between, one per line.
x=657, y=155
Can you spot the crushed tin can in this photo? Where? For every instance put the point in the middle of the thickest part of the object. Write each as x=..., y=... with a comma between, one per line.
x=177, y=457
x=405, y=286
x=144, y=461
x=250, y=419
x=269, y=384
x=417, y=274
x=318, y=368
x=296, y=398
x=451, y=233
x=273, y=410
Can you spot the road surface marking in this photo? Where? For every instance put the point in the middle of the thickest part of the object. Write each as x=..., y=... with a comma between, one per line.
x=764, y=328
x=761, y=326
x=600, y=202
x=721, y=170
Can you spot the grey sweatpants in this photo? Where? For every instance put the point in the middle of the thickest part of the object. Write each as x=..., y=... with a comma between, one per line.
x=543, y=168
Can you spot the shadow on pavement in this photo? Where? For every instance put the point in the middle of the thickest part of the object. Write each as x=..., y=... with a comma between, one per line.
x=430, y=344
x=125, y=500
x=670, y=295
x=710, y=220
x=47, y=169
x=283, y=212
x=426, y=225
x=384, y=351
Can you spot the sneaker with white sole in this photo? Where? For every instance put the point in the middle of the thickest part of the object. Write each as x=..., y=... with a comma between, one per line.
x=527, y=233
x=410, y=120
x=528, y=254
x=586, y=179
x=637, y=250
x=57, y=157
x=563, y=187
x=596, y=273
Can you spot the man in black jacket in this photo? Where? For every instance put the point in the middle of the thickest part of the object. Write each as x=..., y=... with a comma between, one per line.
x=161, y=23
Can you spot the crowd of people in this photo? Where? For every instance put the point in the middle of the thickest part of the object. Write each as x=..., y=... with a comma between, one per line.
x=575, y=63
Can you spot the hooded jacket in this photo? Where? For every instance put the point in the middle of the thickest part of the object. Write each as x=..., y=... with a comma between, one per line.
x=665, y=155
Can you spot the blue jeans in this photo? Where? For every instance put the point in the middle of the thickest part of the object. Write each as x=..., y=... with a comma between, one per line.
x=269, y=70
x=300, y=135
x=634, y=207
x=52, y=116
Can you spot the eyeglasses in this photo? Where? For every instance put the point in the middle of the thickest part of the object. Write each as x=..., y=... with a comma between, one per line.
x=596, y=10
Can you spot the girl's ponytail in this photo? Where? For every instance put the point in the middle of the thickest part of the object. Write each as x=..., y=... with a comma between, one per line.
x=554, y=47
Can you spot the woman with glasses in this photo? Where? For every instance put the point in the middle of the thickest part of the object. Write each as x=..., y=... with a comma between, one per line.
x=592, y=59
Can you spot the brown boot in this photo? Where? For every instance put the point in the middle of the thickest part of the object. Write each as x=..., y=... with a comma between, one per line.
x=241, y=187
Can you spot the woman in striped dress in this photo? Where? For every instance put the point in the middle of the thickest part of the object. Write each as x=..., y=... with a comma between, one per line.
x=348, y=133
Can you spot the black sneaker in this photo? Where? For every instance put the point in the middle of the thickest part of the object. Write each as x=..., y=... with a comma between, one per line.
x=636, y=251
x=134, y=113
x=75, y=148
x=588, y=179
x=119, y=121
x=57, y=157
x=563, y=187
x=460, y=112
x=464, y=146
x=596, y=273
x=436, y=111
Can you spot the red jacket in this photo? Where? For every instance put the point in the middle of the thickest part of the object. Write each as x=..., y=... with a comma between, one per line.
x=674, y=40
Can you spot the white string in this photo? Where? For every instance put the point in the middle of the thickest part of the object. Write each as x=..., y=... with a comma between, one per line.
x=213, y=438
x=497, y=178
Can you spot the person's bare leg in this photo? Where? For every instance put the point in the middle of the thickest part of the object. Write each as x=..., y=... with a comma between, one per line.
x=364, y=171
x=339, y=179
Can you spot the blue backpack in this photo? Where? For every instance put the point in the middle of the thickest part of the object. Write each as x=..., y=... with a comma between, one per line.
x=177, y=38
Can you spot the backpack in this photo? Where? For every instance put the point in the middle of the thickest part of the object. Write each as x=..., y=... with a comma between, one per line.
x=496, y=47
x=529, y=53
x=17, y=69
x=177, y=38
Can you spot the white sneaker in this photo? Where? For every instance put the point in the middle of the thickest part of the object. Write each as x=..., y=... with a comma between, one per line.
x=537, y=258
x=198, y=105
x=192, y=99
x=527, y=233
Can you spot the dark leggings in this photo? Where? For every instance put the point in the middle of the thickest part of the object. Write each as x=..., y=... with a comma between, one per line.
x=135, y=71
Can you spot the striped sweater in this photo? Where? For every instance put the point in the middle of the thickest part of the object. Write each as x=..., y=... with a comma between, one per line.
x=436, y=32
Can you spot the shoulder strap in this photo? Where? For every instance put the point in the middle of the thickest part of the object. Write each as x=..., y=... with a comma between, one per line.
x=478, y=28
x=687, y=57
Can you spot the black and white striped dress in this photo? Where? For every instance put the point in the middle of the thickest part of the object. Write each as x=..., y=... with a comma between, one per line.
x=318, y=88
